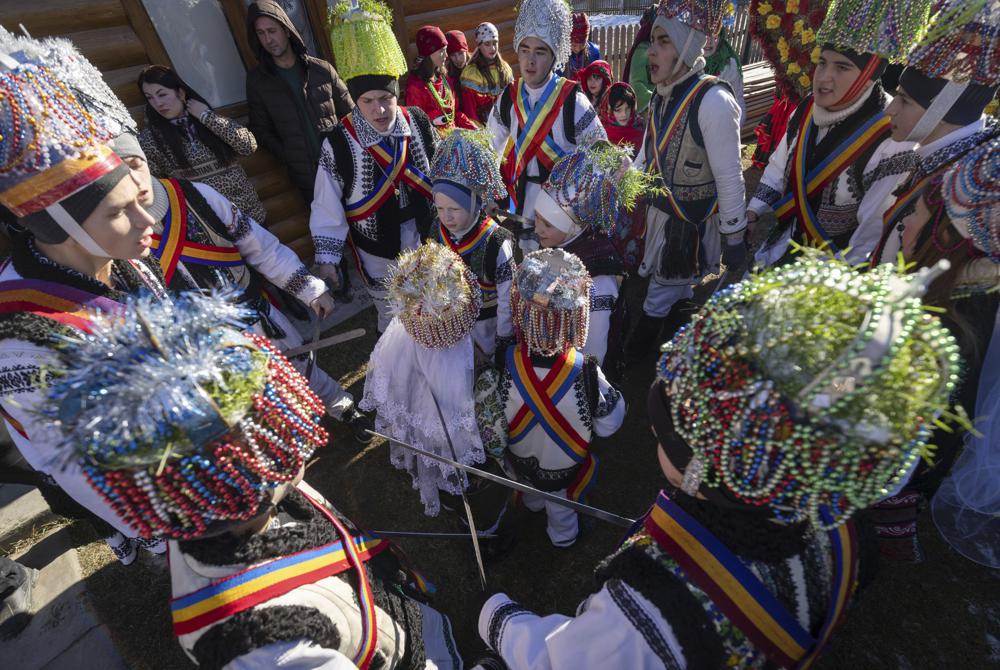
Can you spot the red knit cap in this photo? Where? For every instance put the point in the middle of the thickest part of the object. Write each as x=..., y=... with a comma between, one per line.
x=599, y=67
x=429, y=40
x=581, y=28
x=456, y=41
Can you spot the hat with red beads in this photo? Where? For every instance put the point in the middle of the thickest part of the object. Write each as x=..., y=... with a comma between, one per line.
x=429, y=40
x=180, y=420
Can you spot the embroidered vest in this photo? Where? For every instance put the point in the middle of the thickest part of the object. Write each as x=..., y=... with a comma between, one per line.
x=479, y=249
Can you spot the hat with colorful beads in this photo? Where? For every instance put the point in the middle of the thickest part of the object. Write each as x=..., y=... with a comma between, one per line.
x=181, y=421
x=811, y=389
x=466, y=158
x=550, y=301
x=884, y=28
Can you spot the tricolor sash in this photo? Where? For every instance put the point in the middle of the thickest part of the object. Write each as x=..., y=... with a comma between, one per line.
x=533, y=139
x=802, y=186
x=464, y=249
x=396, y=167
x=663, y=130
x=895, y=212
x=249, y=588
x=65, y=304
x=539, y=408
x=741, y=596
x=172, y=246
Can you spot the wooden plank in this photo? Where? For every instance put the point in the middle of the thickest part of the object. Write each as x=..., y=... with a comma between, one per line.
x=45, y=18
x=462, y=18
x=271, y=183
x=143, y=28
x=303, y=246
x=317, y=10
x=123, y=82
x=289, y=228
x=110, y=48
x=236, y=15
x=418, y=6
x=283, y=205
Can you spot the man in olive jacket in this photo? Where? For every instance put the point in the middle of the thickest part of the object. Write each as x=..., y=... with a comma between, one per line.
x=293, y=97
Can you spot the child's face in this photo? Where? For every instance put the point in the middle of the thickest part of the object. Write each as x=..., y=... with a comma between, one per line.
x=623, y=112
x=594, y=84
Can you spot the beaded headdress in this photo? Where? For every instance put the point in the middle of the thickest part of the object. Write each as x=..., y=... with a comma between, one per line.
x=550, y=301
x=180, y=421
x=53, y=145
x=548, y=20
x=467, y=157
x=810, y=388
x=971, y=193
x=786, y=31
x=886, y=28
x=435, y=295
x=597, y=186
x=705, y=16
x=363, y=42
x=961, y=43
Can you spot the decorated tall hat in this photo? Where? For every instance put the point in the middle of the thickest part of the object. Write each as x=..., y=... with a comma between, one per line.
x=55, y=162
x=465, y=164
x=181, y=422
x=872, y=32
x=550, y=301
x=689, y=23
x=786, y=33
x=954, y=69
x=810, y=389
x=595, y=186
x=550, y=21
x=435, y=295
x=368, y=55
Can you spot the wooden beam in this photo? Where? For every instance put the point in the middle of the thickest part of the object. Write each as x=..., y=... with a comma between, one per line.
x=236, y=16
x=317, y=10
x=46, y=18
x=143, y=27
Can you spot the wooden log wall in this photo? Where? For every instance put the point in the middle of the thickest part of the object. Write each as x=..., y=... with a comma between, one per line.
x=459, y=15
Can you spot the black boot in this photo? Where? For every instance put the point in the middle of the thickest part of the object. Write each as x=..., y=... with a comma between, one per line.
x=680, y=314
x=645, y=336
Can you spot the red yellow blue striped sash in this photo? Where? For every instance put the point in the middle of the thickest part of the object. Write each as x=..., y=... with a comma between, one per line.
x=172, y=246
x=741, y=596
x=541, y=397
x=13, y=423
x=803, y=186
x=463, y=249
x=249, y=588
x=533, y=140
x=662, y=131
x=58, y=302
x=396, y=166
x=894, y=213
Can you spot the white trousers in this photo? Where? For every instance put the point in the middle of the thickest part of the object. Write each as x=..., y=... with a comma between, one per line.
x=378, y=270
x=563, y=525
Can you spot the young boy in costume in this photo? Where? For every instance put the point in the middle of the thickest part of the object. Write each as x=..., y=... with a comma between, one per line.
x=751, y=557
x=550, y=427
x=692, y=144
x=82, y=241
x=425, y=361
x=195, y=431
x=944, y=88
x=372, y=190
x=467, y=183
x=586, y=197
x=832, y=175
x=541, y=116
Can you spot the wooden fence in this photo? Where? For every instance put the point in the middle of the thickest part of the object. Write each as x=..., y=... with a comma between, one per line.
x=614, y=43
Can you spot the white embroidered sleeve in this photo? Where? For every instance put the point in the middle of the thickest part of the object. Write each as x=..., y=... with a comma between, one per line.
x=772, y=182
x=887, y=169
x=327, y=219
x=603, y=295
x=609, y=415
x=504, y=275
x=719, y=120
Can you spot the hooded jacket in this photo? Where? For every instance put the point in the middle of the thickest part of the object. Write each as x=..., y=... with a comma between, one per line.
x=275, y=118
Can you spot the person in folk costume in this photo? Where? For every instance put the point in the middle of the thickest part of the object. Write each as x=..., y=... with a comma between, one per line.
x=948, y=81
x=596, y=80
x=81, y=239
x=636, y=70
x=485, y=77
x=540, y=116
x=965, y=506
x=425, y=360
x=458, y=58
x=583, y=52
x=589, y=193
x=692, y=144
x=198, y=431
x=751, y=557
x=428, y=87
x=832, y=176
x=550, y=300
x=203, y=241
x=722, y=61
x=625, y=128
x=372, y=189
x=467, y=183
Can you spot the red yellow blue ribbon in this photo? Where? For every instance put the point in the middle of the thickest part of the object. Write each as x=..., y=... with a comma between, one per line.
x=894, y=212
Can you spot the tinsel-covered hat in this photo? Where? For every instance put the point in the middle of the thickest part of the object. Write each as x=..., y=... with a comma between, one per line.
x=181, y=421
x=550, y=301
x=364, y=45
x=593, y=187
x=55, y=163
x=786, y=31
x=961, y=43
x=971, y=190
x=705, y=16
x=811, y=389
x=885, y=28
x=435, y=295
x=466, y=157
x=548, y=20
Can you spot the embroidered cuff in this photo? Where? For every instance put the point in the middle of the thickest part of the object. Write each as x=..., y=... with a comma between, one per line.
x=305, y=286
x=328, y=250
x=505, y=272
x=766, y=195
x=606, y=402
x=494, y=617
